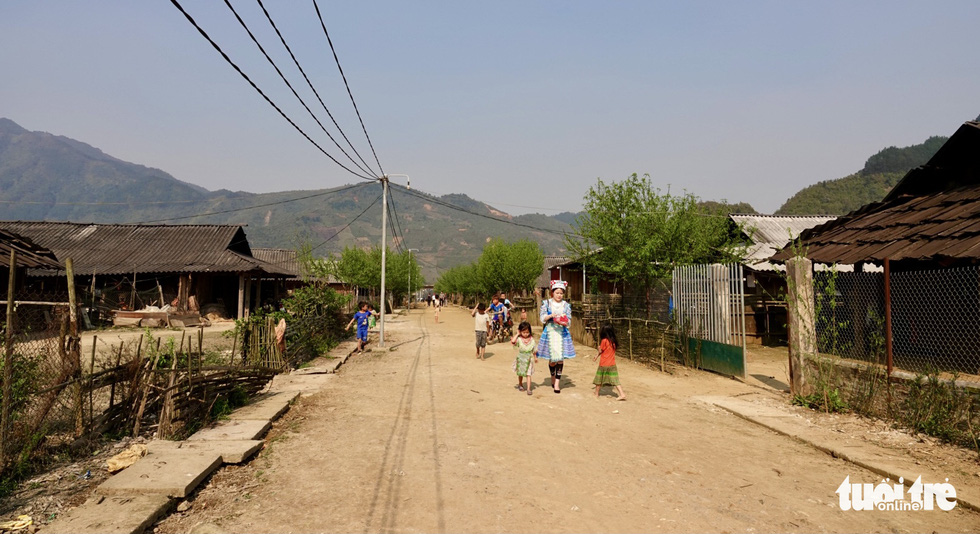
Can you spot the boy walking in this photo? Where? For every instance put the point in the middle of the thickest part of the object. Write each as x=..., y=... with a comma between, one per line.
x=481, y=323
x=361, y=318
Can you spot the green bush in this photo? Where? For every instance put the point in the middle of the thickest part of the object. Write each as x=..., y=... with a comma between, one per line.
x=939, y=408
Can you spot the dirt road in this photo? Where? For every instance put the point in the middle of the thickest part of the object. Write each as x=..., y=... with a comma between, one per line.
x=429, y=439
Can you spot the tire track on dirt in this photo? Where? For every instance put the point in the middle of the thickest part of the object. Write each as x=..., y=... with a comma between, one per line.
x=391, y=475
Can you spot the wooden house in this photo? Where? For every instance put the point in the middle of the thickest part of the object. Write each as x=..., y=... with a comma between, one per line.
x=132, y=266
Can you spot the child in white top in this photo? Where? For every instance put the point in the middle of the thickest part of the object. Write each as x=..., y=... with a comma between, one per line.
x=481, y=323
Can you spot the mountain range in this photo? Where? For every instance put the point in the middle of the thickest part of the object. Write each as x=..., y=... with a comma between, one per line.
x=55, y=178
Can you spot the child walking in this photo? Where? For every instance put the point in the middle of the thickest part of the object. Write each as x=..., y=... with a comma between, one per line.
x=481, y=323
x=361, y=318
x=526, y=348
x=607, y=374
x=556, y=340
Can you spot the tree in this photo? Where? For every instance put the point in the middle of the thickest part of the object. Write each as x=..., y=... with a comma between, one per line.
x=360, y=268
x=637, y=234
x=502, y=266
x=509, y=267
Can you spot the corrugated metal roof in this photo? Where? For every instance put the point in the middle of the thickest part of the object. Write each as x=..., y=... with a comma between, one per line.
x=125, y=248
x=285, y=259
x=282, y=258
x=937, y=217
x=29, y=255
x=544, y=280
x=769, y=233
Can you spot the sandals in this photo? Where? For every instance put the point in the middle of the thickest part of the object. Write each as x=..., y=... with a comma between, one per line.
x=520, y=388
x=528, y=391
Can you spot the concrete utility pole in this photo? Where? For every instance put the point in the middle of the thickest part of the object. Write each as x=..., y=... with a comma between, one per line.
x=410, y=276
x=384, y=246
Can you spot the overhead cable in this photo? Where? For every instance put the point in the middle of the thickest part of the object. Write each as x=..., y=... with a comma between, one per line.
x=485, y=216
x=315, y=92
x=290, y=86
x=276, y=203
x=359, y=215
x=342, y=75
x=256, y=87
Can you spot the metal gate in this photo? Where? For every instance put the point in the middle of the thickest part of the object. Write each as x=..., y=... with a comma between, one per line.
x=709, y=304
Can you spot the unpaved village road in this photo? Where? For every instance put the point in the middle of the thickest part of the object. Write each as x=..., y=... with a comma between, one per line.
x=429, y=439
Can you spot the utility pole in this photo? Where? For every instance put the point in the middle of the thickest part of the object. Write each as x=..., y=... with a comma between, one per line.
x=384, y=246
x=410, y=277
x=384, y=250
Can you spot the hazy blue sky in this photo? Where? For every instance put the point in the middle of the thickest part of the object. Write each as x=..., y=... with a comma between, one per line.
x=521, y=104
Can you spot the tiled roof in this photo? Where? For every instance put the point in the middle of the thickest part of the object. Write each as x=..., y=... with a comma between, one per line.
x=125, y=248
x=932, y=214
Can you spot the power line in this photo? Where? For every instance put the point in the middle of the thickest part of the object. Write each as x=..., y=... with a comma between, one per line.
x=310, y=84
x=342, y=75
x=162, y=202
x=347, y=225
x=233, y=210
x=397, y=239
x=394, y=216
x=256, y=87
x=289, y=85
x=485, y=216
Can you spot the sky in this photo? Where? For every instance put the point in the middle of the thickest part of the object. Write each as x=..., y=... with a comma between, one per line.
x=520, y=104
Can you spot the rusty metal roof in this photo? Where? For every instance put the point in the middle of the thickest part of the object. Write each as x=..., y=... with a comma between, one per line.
x=127, y=248
x=932, y=214
x=29, y=255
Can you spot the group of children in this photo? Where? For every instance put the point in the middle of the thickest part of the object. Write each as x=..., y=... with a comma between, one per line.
x=555, y=344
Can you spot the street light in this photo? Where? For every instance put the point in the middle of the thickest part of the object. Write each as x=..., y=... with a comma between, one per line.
x=384, y=245
x=410, y=277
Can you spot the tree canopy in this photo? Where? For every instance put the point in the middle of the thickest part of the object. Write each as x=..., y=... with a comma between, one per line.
x=636, y=233
x=502, y=266
x=356, y=267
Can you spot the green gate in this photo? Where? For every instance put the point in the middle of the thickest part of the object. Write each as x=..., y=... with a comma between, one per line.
x=709, y=305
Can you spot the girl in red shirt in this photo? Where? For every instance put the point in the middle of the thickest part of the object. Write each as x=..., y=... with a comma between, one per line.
x=607, y=375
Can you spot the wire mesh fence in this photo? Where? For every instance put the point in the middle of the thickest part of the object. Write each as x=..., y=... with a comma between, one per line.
x=935, y=320
x=902, y=345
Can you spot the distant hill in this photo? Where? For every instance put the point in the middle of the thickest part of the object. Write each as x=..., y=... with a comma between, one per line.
x=880, y=174
x=743, y=208
x=54, y=178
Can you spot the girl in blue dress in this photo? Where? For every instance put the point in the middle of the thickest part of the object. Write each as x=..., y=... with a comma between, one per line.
x=556, y=341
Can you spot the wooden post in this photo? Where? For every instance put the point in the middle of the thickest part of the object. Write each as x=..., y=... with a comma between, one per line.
x=241, y=296
x=248, y=296
x=91, y=371
x=112, y=388
x=888, y=317
x=8, y=361
x=132, y=296
x=630, y=332
x=234, y=345
x=74, y=354
x=801, y=320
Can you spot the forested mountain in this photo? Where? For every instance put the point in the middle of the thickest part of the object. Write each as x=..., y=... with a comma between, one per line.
x=48, y=177
x=880, y=173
